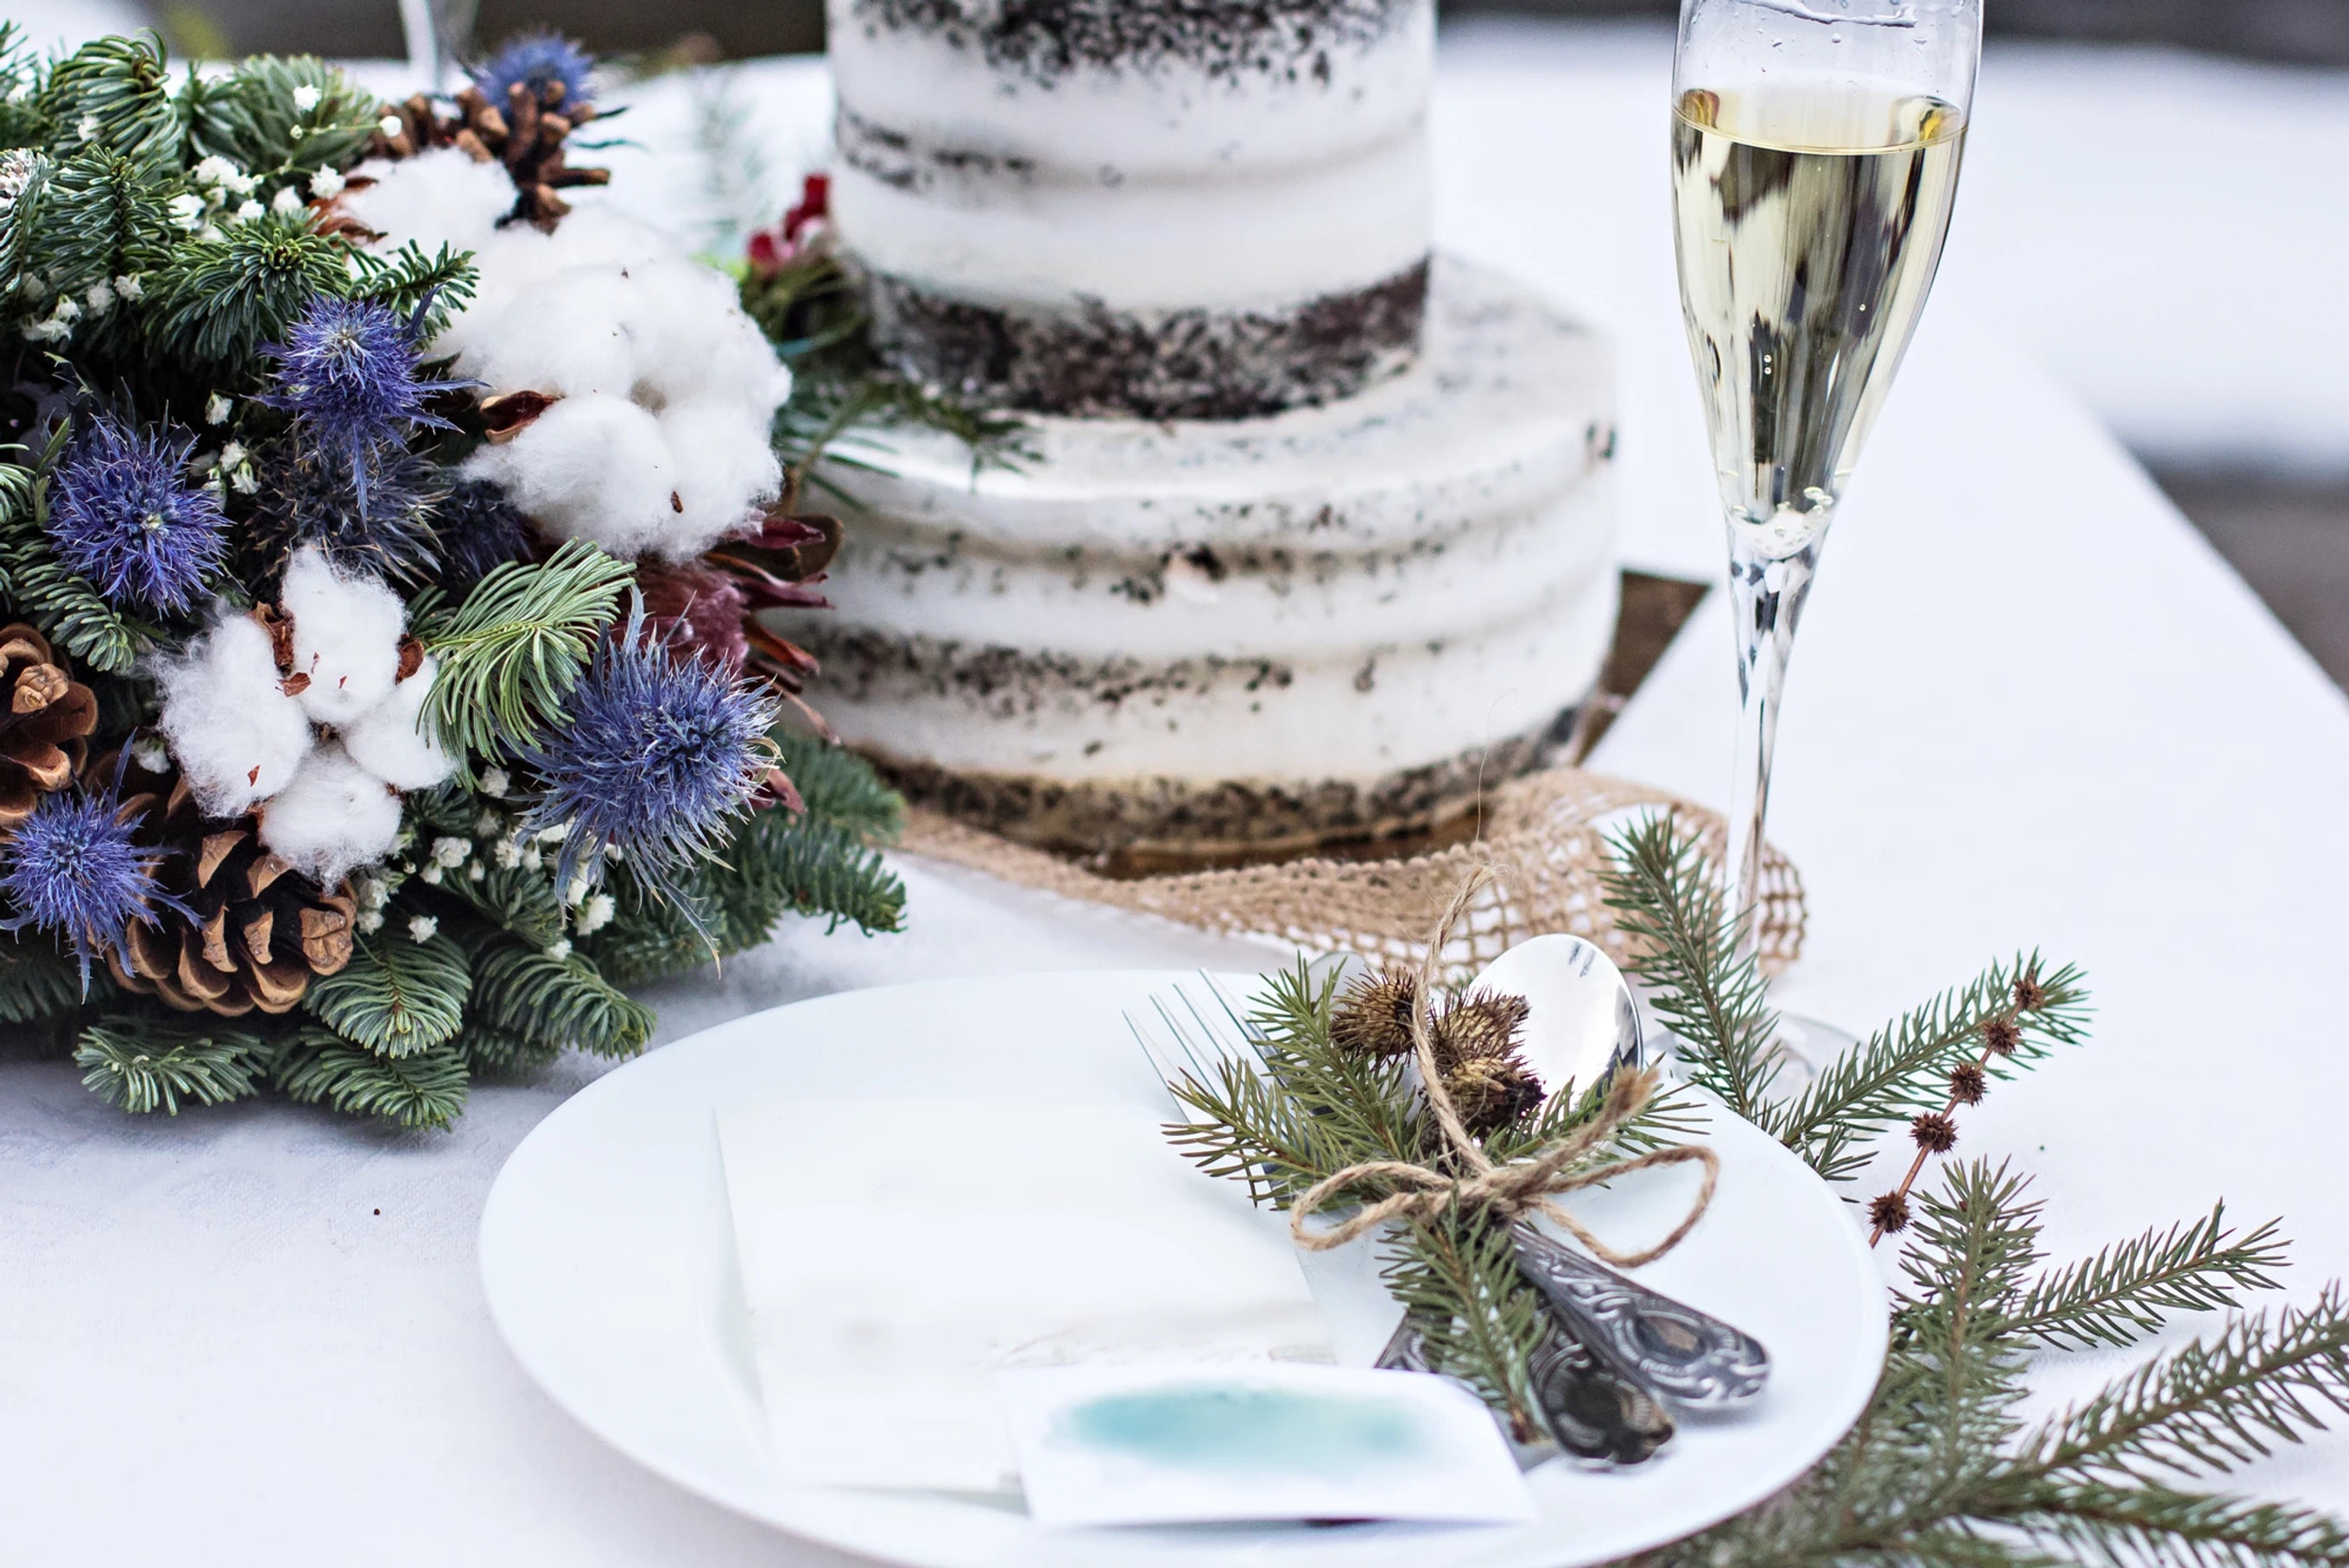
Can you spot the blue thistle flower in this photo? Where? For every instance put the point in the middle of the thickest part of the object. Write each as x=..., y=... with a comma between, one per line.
x=123, y=516
x=75, y=868
x=536, y=60
x=661, y=754
x=347, y=371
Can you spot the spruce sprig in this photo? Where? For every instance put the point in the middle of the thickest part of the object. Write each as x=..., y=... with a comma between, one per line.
x=1710, y=993
x=1942, y=1469
x=514, y=650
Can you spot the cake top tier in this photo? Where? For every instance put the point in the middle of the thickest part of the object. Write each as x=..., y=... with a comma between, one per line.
x=1046, y=38
x=1169, y=208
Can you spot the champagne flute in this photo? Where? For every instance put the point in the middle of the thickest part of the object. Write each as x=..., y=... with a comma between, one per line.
x=1816, y=148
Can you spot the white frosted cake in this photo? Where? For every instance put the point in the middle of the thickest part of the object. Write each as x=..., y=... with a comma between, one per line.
x=1318, y=535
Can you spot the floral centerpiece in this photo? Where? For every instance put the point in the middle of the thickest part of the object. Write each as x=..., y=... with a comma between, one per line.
x=384, y=550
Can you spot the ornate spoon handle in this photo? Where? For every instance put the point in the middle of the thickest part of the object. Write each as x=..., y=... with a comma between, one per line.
x=1688, y=1356
x=1595, y=1414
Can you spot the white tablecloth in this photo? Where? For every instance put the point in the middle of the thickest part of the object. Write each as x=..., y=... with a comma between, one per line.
x=2032, y=708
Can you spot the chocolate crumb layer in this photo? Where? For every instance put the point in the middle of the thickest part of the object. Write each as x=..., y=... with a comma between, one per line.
x=1095, y=362
x=1048, y=38
x=1153, y=824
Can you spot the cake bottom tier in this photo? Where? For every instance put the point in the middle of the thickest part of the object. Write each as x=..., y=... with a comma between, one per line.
x=1207, y=638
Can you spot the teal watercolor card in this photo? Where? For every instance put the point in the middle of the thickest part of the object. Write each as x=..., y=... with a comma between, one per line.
x=1138, y=1445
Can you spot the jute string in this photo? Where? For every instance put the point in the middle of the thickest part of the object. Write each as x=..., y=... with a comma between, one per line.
x=1480, y=1186
x=1544, y=835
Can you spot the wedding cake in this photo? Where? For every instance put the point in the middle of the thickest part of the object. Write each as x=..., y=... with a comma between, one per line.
x=1313, y=537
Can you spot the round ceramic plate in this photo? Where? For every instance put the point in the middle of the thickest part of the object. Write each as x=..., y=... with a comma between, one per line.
x=607, y=1255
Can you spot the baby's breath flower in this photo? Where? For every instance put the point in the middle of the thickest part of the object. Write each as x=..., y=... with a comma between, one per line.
x=326, y=184
x=286, y=202
x=423, y=928
x=495, y=783
x=306, y=98
x=217, y=409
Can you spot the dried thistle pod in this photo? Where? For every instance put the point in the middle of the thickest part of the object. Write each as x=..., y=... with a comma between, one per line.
x=1373, y=1018
x=1491, y=1092
x=256, y=933
x=46, y=720
x=1483, y=1026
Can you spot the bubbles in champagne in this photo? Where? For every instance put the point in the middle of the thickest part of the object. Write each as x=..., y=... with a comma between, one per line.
x=1810, y=223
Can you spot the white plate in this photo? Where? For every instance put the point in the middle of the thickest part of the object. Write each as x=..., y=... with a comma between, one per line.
x=608, y=1259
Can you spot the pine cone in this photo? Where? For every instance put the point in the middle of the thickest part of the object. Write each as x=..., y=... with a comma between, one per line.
x=261, y=930
x=525, y=133
x=45, y=724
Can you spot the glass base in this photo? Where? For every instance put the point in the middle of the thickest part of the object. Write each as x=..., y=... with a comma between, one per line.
x=1805, y=1046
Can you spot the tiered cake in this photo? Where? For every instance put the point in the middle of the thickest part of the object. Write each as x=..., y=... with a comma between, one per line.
x=1317, y=538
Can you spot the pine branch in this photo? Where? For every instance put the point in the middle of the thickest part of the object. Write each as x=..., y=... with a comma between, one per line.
x=440, y=285
x=217, y=302
x=560, y=1003
x=250, y=118
x=1951, y=1389
x=1436, y=1268
x=809, y=867
x=38, y=982
x=427, y=1089
x=2155, y=1525
x=115, y=94
x=1903, y=1070
x=142, y=1062
x=2129, y=1290
x=2207, y=1407
x=1666, y=900
x=511, y=654
x=495, y=1053
x=839, y=786
x=396, y=997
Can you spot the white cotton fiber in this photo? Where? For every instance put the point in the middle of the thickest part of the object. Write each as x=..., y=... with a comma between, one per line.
x=390, y=741
x=332, y=819
x=589, y=467
x=238, y=737
x=436, y=198
x=574, y=338
x=346, y=632
x=726, y=473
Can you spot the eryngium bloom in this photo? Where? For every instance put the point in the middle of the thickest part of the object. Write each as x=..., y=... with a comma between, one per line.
x=660, y=754
x=75, y=869
x=123, y=516
x=535, y=61
x=347, y=371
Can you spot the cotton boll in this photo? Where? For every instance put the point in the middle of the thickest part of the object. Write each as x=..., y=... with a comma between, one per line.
x=237, y=736
x=390, y=742
x=727, y=471
x=574, y=338
x=346, y=632
x=441, y=197
x=332, y=819
x=589, y=467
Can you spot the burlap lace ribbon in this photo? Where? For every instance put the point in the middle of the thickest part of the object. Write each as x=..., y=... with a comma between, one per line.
x=1476, y=1184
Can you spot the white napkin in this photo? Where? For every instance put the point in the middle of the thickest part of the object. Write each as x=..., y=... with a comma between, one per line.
x=895, y=1255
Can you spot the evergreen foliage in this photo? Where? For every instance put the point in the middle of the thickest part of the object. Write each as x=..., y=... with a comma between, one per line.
x=140, y=1063
x=168, y=237
x=1943, y=1468
x=514, y=649
x=398, y=996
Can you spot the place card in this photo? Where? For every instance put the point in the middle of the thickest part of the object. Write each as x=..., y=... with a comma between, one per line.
x=896, y=1255
x=1108, y=1445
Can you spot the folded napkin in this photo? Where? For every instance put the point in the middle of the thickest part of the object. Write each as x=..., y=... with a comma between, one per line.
x=895, y=1255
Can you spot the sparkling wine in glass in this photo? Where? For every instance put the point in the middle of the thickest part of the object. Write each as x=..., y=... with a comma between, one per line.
x=1816, y=148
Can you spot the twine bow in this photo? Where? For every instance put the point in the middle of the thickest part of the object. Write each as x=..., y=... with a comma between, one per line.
x=1481, y=1186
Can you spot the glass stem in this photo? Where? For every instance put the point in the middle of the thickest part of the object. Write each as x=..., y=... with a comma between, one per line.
x=1766, y=596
